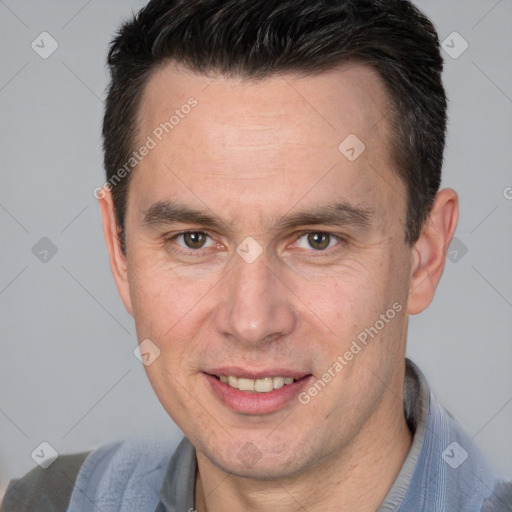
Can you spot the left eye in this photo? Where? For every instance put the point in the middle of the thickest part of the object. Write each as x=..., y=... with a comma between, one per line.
x=317, y=240
x=193, y=240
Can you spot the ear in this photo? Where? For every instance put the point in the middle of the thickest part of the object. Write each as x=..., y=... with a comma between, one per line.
x=429, y=251
x=118, y=262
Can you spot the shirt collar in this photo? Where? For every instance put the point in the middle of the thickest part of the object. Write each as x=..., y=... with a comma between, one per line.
x=416, y=407
x=177, y=491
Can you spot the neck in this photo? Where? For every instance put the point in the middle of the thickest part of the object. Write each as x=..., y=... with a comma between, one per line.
x=357, y=478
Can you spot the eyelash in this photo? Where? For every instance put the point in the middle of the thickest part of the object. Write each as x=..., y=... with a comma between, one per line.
x=185, y=250
x=318, y=253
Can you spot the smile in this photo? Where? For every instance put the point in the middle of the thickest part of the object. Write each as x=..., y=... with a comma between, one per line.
x=256, y=392
x=264, y=385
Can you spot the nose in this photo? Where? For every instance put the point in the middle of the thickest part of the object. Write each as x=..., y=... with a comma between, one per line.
x=256, y=307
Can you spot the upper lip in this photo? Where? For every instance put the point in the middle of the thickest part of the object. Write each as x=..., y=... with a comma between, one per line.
x=244, y=373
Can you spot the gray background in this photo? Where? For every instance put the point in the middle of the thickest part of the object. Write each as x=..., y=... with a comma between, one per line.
x=68, y=375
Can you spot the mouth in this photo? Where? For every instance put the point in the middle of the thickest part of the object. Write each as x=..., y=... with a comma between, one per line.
x=262, y=385
x=256, y=394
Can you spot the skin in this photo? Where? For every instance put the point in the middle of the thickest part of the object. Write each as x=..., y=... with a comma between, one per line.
x=251, y=153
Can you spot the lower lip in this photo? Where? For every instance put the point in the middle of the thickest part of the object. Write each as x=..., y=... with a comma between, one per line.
x=256, y=403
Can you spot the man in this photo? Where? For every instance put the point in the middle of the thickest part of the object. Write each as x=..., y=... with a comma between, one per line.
x=273, y=216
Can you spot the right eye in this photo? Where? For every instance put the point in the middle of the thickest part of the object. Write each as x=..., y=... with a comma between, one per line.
x=192, y=240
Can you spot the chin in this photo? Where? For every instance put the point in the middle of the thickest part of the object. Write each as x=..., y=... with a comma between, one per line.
x=271, y=462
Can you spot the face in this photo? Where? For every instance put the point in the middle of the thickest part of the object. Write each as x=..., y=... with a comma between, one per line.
x=260, y=249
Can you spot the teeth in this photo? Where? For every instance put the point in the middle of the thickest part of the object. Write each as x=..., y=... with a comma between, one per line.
x=264, y=385
x=256, y=385
x=246, y=384
x=278, y=382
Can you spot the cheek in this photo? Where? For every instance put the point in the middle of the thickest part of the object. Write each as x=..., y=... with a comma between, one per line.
x=162, y=308
x=351, y=297
x=345, y=292
x=166, y=312
x=160, y=296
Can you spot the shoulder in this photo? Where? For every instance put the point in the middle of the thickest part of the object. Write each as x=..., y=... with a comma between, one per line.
x=124, y=475
x=45, y=490
x=132, y=468
x=450, y=472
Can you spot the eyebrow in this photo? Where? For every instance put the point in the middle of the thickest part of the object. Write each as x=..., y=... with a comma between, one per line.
x=340, y=214
x=170, y=212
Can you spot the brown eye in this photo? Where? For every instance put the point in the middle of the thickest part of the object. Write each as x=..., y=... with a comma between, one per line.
x=319, y=241
x=194, y=239
x=191, y=242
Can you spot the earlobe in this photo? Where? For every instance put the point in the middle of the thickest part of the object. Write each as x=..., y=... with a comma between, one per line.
x=429, y=251
x=118, y=263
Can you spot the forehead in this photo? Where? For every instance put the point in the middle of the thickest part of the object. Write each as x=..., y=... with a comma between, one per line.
x=253, y=140
x=350, y=98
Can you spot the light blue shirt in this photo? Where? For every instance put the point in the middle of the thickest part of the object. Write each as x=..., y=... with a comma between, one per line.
x=443, y=472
